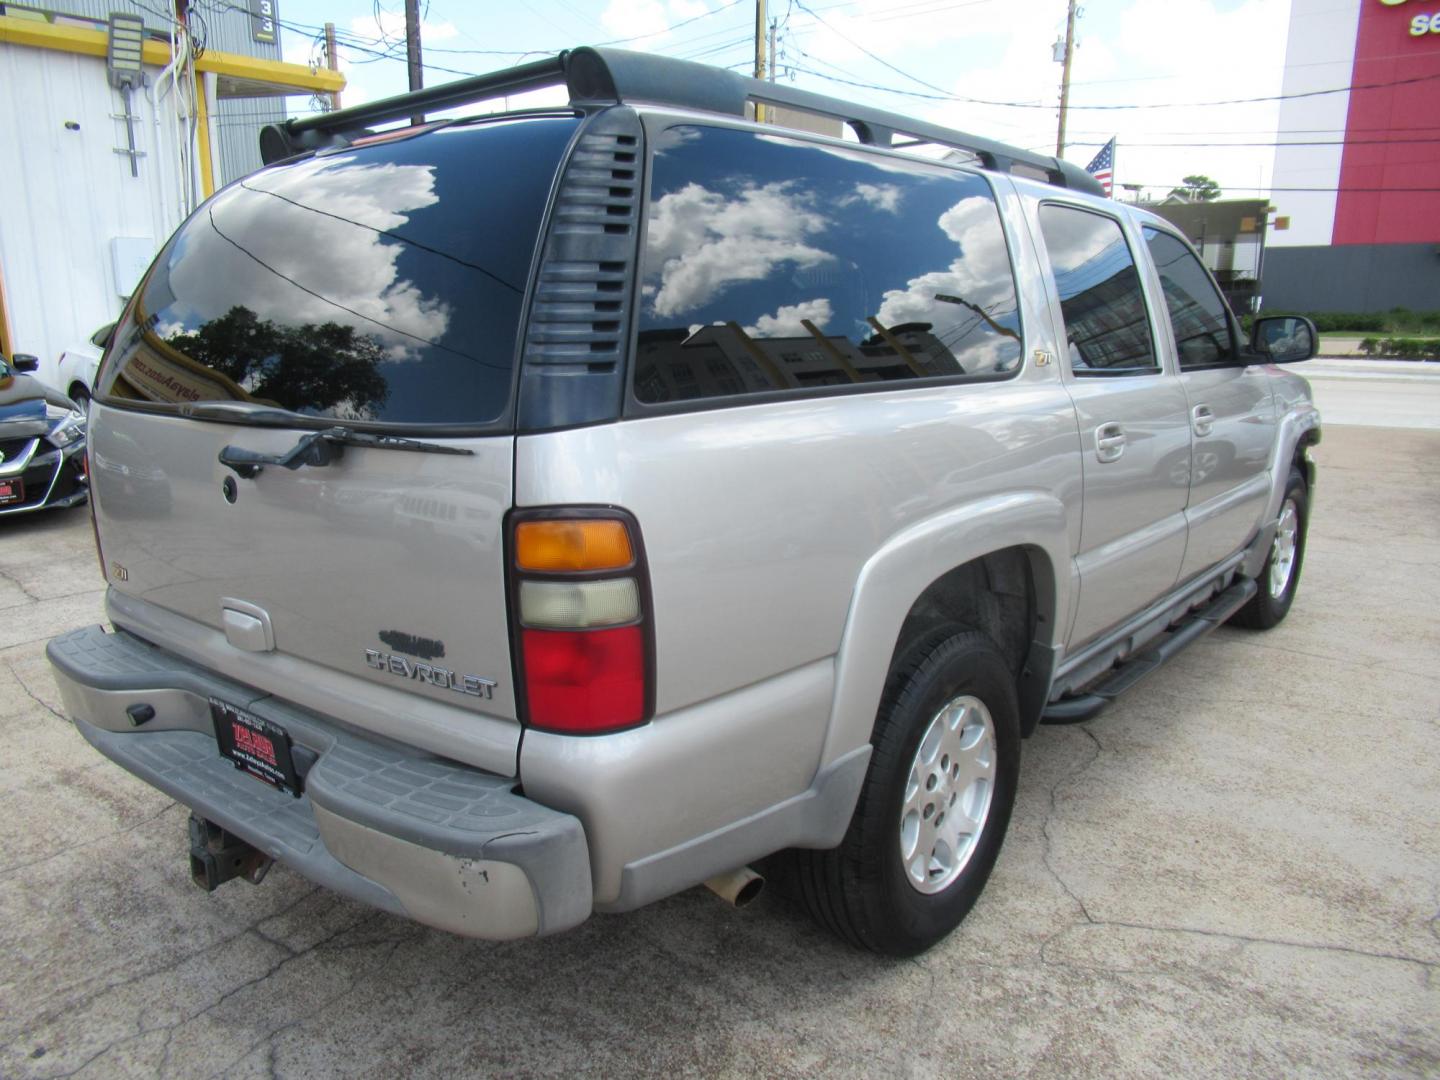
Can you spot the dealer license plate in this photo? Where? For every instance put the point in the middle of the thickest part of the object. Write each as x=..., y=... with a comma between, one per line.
x=12, y=491
x=255, y=745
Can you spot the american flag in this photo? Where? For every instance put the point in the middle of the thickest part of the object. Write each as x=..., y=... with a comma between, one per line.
x=1103, y=168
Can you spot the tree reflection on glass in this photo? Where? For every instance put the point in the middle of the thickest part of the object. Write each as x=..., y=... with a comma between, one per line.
x=310, y=368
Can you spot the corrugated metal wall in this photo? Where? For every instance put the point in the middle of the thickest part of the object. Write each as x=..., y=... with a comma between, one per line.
x=238, y=134
x=67, y=194
x=225, y=30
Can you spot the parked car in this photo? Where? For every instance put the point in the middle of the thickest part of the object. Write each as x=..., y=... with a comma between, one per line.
x=42, y=442
x=75, y=370
x=726, y=493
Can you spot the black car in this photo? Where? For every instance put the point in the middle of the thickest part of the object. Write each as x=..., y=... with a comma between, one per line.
x=42, y=443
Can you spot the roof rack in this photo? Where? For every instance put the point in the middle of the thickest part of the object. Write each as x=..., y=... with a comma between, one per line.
x=596, y=77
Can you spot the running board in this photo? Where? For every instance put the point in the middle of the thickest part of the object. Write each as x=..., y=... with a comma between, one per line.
x=1086, y=706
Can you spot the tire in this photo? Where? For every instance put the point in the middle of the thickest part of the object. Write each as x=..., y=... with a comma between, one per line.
x=80, y=395
x=863, y=890
x=1271, y=603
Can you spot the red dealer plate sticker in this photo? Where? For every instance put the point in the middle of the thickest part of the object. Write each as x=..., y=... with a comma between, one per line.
x=255, y=745
x=12, y=491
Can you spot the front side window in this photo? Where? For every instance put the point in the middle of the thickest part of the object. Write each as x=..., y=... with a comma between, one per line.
x=1198, y=315
x=1107, y=324
x=376, y=284
x=775, y=265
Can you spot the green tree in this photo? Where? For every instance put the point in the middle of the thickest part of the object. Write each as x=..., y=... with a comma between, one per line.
x=306, y=368
x=1197, y=188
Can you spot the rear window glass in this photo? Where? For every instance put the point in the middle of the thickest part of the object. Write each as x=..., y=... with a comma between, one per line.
x=380, y=284
x=775, y=265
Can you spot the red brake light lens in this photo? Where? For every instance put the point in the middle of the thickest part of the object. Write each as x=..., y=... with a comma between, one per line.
x=585, y=682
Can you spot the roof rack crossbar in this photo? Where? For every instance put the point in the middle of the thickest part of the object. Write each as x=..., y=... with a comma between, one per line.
x=600, y=76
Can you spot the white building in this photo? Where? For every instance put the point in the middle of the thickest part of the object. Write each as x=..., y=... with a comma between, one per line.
x=1359, y=180
x=81, y=215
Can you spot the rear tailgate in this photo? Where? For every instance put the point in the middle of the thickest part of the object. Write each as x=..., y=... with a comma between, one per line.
x=379, y=289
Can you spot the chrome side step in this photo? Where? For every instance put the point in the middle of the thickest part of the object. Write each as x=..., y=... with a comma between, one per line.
x=1086, y=706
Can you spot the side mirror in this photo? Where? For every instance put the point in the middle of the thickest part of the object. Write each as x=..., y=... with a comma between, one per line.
x=1285, y=339
x=25, y=362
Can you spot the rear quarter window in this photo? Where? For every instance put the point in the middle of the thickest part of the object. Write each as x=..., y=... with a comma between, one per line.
x=774, y=265
x=379, y=284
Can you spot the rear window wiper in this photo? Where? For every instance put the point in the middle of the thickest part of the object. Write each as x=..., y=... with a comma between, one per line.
x=320, y=448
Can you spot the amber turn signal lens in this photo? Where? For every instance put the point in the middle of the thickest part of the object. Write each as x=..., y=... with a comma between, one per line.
x=570, y=545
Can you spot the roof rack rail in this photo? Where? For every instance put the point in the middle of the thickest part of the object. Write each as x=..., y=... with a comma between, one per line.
x=596, y=77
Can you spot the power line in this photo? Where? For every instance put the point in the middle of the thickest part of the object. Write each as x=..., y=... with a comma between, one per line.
x=1146, y=105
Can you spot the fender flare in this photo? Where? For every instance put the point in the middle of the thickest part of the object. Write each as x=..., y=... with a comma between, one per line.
x=905, y=566
x=1295, y=426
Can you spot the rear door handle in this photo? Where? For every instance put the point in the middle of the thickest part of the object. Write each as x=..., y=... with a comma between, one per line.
x=1109, y=441
x=1202, y=420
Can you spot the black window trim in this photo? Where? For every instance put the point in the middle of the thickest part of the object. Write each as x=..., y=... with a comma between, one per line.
x=1101, y=373
x=658, y=121
x=1237, y=358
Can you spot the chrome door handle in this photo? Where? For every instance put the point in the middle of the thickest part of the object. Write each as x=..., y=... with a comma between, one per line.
x=1202, y=420
x=1109, y=442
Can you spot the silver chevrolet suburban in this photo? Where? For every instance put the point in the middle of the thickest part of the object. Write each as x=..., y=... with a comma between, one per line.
x=518, y=516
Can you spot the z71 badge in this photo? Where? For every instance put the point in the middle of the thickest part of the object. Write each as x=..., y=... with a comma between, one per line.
x=473, y=685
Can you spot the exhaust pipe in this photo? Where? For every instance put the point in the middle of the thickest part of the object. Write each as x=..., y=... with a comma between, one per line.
x=738, y=888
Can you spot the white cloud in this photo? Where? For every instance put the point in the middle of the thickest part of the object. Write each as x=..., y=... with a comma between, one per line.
x=786, y=320
x=635, y=18
x=704, y=242
x=1134, y=52
x=881, y=196
x=980, y=276
x=391, y=26
x=345, y=270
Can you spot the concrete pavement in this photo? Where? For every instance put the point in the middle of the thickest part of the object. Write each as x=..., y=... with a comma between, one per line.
x=1375, y=393
x=1233, y=872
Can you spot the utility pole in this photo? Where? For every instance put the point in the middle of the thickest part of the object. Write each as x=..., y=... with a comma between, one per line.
x=759, y=54
x=412, y=50
x=773, y=26
x=331, y=60
x=1065, y=78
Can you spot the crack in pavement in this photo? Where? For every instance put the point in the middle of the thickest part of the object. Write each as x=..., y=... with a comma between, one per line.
x=31, y=695
x=6, y=575
x=9, y=871
x=271, y=1039
x=171, y=1028
x=1241, y=939
x=1089, y=919
x=73, y=1006
x=1047, y=848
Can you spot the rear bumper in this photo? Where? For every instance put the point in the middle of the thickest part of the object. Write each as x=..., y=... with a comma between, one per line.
x=444, y=844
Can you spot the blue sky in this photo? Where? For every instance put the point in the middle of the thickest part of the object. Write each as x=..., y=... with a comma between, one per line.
x=1131, y=52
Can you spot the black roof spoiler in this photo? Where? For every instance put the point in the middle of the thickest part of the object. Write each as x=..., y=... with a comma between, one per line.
x=596, y=77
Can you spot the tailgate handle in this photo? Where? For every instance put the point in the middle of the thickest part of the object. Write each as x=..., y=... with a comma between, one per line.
x=315, y=449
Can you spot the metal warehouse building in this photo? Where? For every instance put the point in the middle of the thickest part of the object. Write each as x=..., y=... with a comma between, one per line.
x=118, y=120
x=1360, y=178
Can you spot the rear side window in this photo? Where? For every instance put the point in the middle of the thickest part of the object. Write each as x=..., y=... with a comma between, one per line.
x=1107, y=325
x=379, y=284
x=776, y=265
x=1198, y=315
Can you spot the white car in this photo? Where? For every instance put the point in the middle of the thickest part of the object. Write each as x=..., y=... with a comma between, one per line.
x=75, y=370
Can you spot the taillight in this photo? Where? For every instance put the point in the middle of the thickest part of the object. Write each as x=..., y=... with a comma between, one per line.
x=579, y=603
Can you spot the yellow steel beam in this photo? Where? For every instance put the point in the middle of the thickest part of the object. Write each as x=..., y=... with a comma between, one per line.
x=39, y=34
x=273, y=72
x=202, y=136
